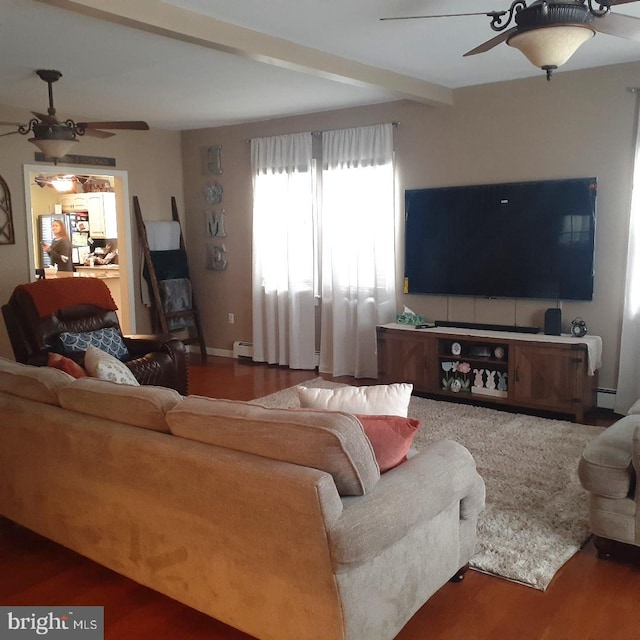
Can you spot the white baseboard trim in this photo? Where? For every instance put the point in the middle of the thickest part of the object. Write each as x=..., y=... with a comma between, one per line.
x=211, y=351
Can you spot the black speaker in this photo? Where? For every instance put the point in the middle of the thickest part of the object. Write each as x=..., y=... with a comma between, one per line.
x=553, y=322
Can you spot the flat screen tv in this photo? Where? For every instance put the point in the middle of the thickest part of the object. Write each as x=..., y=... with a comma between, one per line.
x=513, y=240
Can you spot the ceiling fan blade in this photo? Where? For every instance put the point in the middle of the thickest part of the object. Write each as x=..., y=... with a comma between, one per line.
x=135, y=125
x=618, y=25
x=444, y=15
x=494, y=42
x=97, y=133
x=12, y=124
x=8, y=134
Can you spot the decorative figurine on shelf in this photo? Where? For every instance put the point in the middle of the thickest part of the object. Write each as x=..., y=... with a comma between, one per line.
x=456, y=376
x=502, y=381
x=491, y=380
x=478, y=380
x=578, y=328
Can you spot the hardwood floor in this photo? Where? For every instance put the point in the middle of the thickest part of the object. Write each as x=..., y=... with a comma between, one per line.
x=589, y=599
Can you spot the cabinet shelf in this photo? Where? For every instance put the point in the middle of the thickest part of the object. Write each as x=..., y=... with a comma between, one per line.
x=471, y=360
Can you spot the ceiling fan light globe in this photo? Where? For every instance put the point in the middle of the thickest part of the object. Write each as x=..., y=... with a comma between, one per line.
x=53, y=148
x=63, y=184
x=551, y=47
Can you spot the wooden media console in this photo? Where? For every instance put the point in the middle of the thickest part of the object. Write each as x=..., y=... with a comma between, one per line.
x=531, y=371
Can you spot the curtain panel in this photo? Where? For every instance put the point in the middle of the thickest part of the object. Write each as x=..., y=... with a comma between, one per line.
x=628, y=387
x=357, y=239
x=283, y=260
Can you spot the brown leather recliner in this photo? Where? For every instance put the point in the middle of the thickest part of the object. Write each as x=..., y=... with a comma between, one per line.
x=34, y=322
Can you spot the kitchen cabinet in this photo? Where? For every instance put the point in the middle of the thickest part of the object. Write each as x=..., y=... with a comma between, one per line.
x=74, y=202
x=102, y=215
x=103, y=221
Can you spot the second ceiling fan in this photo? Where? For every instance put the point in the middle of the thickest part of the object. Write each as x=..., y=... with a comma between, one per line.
x=548, y=32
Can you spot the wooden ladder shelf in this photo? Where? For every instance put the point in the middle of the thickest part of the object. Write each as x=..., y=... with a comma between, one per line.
x=160, y=315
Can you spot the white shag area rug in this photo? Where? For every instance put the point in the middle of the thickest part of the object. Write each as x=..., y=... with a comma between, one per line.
x=536, y=514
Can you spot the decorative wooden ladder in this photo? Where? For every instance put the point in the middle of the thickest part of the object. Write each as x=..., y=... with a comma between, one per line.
x=160, y=315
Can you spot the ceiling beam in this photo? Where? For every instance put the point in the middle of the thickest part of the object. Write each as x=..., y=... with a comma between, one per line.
x=174, y=22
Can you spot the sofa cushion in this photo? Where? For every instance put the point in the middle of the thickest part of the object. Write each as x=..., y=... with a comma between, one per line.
x=331, y=442
x=106, y=367
x=58, y=361
x=391, y=438
x=142, y=406
x=381, y=399
x=606, y=465
x=108, y=340
x=41, y=384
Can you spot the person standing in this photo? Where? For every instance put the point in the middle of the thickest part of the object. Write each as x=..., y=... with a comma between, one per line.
x=60, y=249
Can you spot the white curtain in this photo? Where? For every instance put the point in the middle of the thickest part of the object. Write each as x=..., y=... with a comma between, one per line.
x=357, y=239
x=628, y=390
x=283, y=260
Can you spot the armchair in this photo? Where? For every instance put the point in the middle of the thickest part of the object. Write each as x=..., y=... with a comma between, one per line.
x=608, y=470
x=37, y=313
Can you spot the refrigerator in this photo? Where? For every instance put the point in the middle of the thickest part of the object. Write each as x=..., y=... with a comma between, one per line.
x=77, y=225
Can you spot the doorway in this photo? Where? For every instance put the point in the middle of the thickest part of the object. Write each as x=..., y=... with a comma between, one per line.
x=75, y=195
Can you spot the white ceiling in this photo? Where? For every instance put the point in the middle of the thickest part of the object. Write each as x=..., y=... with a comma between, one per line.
x=113, y=71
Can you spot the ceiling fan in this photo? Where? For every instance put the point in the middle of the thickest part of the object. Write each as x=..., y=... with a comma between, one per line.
x=56, y=137
x=549, y=32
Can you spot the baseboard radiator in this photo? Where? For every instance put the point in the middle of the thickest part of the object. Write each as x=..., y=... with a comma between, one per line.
x=245, y=350
x=242, y=349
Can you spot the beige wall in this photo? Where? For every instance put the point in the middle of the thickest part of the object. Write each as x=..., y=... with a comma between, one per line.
x=154, y=165
x=580, y=124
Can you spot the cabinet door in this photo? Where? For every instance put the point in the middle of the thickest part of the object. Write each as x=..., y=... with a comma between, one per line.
x=407, y=358
x=80, y=202
x=110, y=215
x=548, y=376
x=67, y=203
x=95, y=206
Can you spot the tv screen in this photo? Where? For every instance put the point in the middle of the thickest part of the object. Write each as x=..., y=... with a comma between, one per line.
x=514, y=240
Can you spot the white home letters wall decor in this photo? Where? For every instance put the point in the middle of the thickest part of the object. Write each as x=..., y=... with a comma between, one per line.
x=213, y=193
x=216, y=223
x=215, y=257
x=212, y=160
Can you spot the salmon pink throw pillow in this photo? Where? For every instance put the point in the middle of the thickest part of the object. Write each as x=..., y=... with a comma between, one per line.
x=67, y=365
x=391, y=438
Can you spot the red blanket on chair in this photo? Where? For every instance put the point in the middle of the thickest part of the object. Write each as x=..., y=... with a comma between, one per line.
x=50, y=296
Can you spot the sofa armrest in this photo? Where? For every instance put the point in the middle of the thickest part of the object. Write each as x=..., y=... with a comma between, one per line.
x=140, y=344
x=606, y=464
x=415, y=491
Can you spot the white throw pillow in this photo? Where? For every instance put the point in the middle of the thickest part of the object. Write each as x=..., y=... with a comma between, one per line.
x=100, y=364
x=382, y=399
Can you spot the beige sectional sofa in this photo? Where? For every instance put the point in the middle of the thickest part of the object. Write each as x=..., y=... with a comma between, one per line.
x=276, y=522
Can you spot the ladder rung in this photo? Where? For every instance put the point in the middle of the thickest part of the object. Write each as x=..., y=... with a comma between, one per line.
x=180, y=314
